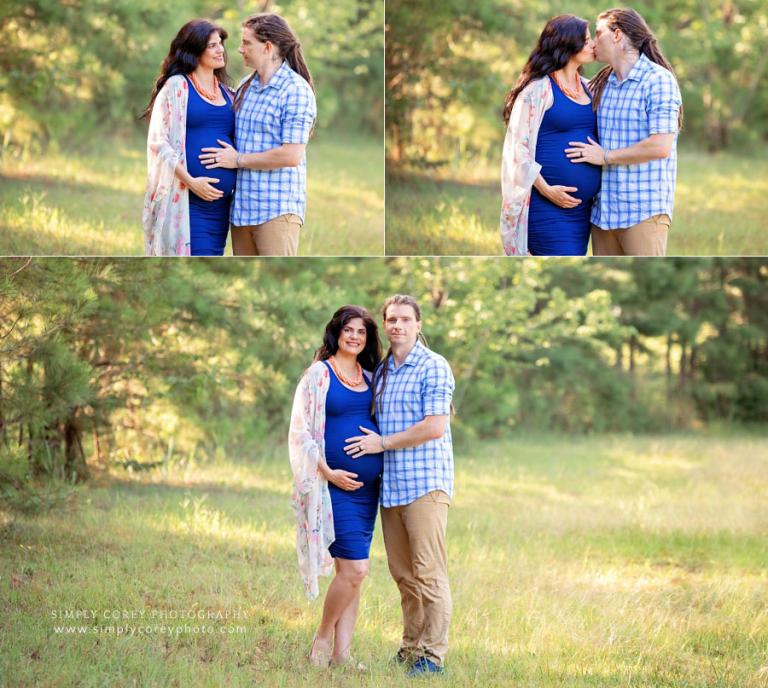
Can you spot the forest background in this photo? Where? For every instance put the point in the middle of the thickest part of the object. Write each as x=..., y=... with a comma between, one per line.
x=610, y=459
x=109, y=361
x=76, y=75
x=450, y=66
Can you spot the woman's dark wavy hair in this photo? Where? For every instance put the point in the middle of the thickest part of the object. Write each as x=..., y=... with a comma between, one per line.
x=190, y=43
x=640, y=36
x=562, y=37
x=371, y=354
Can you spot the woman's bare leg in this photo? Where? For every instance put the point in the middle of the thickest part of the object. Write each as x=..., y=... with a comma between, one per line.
x=345, y=627
x=343, y=591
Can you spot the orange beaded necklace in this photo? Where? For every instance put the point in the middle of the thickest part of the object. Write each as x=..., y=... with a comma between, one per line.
x=213, y=97
x=349, y=383
x=573, y=94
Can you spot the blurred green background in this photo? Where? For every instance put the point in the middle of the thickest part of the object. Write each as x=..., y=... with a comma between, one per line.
x=150, y=360
x=449, y=67
x=76, y=75
x=609, y=521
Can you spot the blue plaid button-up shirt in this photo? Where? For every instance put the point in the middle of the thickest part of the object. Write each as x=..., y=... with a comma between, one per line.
x=269, y=116
x=645, y=103
x=422, y=386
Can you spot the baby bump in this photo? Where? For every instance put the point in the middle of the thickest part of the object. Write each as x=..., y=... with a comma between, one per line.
x=557, y=169
x=368, y=467
x=194, y=146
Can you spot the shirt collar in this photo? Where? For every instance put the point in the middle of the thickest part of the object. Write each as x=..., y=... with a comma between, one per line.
x=411, y=359
x=277, y=78
x=637, y=72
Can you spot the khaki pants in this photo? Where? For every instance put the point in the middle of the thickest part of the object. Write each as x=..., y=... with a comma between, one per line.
x=647, y=238
x=276, y=237
x=414, y=537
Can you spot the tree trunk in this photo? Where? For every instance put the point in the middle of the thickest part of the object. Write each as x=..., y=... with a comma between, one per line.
x=693, y=361
x=75, y=468
x=34, y=463
x=683, y=365
x=3, y=433
x=397, y=143
x=96, y=442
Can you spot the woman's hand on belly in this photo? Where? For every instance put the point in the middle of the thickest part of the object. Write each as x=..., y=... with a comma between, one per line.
x=344, y=480
x=559, y=195
x=201, y=187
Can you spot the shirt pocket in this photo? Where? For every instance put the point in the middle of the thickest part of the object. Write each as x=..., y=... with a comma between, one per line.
x=268, y=121
x=412, y=404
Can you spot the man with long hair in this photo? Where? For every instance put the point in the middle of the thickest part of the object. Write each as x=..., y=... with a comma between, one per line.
x=275, y=113
x=413, y=388
x=639, y=113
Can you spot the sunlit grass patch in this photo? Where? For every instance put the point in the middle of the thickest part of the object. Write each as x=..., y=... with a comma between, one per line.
x=592, y=561
x=55, y=221
x=721, y=204
x=442, y=216
x=90, y=202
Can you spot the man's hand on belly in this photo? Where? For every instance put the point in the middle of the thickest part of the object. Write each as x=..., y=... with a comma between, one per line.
x=369, y=443
x=591, y=152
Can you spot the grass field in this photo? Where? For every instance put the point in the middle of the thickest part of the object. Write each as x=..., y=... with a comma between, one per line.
x=90, y=202
x=601, y=562
x=721, y=206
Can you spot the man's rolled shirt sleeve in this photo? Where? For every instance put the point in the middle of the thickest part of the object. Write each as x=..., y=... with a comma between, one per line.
x=437, y=388
x=664, y=101
x=299, y=116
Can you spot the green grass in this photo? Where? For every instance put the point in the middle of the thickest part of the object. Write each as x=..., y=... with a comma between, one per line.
x=721, y=204
x=574, y=562
x=89, y=202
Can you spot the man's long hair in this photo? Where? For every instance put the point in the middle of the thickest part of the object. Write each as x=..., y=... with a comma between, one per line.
x=273, y=28
x=641, y=38
x=380, y=378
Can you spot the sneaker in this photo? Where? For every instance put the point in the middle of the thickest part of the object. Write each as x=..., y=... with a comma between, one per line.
x=423, y=666
x=403, y=656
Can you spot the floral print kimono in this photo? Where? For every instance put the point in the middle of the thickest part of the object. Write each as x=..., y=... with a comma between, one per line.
x=311, y=498
x=519, y=169
x=166, y=203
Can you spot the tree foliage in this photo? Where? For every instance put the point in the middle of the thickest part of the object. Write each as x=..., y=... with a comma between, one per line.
x=142, y=361
x=75, y=67
x=449, y=66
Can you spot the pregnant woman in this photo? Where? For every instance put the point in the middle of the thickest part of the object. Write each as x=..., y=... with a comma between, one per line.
x=335, y=497
x=186, y=211
x=546, y=198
